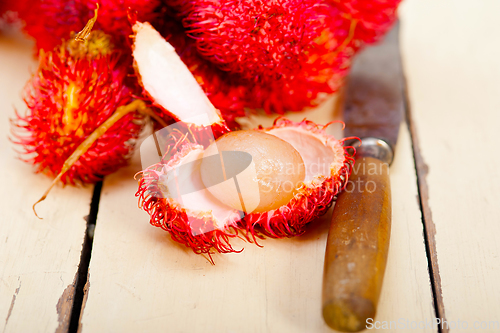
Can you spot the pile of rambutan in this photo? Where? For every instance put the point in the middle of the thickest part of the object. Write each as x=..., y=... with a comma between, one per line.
x=202, y=64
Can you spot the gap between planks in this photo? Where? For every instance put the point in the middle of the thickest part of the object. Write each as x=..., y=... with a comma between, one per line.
x=421, y=170
x=82, y=274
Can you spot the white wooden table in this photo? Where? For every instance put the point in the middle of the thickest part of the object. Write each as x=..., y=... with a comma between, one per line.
x=444, y=253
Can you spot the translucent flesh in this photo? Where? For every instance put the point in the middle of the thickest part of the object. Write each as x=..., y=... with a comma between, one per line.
x=270, y=181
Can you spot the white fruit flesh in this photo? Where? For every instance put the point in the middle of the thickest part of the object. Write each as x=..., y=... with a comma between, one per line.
x=321, y=157
x=181, y=181
x=167, y=79
x=270, y=181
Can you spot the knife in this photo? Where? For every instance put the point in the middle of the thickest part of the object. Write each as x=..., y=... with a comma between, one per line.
x=358, y=239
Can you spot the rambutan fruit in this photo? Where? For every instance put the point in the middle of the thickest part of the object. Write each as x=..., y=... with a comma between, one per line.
x=199, y=207
x=76, y=88
x=50, y=22
x=265, y=182
x=289, y=54
x=260, y=40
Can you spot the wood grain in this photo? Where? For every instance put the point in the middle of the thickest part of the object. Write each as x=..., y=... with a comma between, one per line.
x=38, y=258
x=452, y=71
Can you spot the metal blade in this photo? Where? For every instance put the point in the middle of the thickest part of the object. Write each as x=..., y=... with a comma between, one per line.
x=375, y=93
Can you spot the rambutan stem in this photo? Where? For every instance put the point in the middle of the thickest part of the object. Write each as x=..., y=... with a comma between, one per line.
x=84, y=34
x=136, y=105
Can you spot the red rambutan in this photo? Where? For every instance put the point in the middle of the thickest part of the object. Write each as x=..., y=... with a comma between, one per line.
x=113, y=16
x=76, y=88
x=50, y=22
x=288, y=54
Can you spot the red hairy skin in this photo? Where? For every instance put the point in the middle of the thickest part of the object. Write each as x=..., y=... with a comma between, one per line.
x=375, y=17
x=176, y=223
x=314, y=70
x=190, y=133
x=8, y=11
x=51, y=21
x=113, y=16
x=179, y=226
x=288, y=54
x=260, y=40
x=231, y=93
x=68, y=98
x=288, y=221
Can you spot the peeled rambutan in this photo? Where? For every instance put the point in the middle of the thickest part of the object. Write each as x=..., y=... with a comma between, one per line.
x=277, y=181
x=195, y=213
x=76, y=88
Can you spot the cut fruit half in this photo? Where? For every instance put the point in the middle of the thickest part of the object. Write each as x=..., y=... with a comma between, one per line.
x=177, y=199
x=167, y=80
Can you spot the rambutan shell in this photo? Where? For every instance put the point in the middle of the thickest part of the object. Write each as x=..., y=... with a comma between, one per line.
x=375, y=17
x=168, y=81
x=171, y=87
x=198, y=225
x=225, y=90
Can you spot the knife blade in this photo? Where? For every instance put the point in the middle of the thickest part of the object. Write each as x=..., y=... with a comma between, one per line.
x=358, y=239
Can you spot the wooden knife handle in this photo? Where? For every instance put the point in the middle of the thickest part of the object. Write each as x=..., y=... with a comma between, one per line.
x=357, y=247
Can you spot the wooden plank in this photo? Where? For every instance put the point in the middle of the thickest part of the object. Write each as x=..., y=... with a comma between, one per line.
x=38, y=258
x=140, y=280
x=453, y=69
